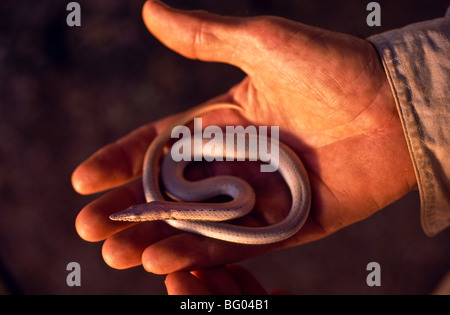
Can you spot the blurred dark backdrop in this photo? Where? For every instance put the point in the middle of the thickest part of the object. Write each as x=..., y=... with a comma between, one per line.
x=67, y=91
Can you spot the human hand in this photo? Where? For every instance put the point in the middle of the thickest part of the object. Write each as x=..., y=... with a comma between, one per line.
x=327, y=92
x=220, y=280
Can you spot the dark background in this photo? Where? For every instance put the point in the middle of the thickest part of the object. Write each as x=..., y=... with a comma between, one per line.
x=67, y=91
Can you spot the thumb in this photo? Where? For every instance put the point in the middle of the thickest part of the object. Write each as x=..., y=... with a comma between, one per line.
x=202, y=35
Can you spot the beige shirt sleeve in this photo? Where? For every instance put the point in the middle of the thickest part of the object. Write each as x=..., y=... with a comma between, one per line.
x=416, y=59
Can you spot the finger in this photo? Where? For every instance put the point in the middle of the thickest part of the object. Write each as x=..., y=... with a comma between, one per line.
x=124, y=249
x=202, y=35
x=219, y=280
x=121, y=162
x=115, y=164
x=184, y=283
x=93, y=223
x=246, y=281
x=186, y=251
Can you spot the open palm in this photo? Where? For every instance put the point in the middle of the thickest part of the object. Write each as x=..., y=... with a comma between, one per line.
x=327, y=92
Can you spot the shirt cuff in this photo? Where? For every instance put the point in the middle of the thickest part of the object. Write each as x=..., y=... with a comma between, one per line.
x=417, y=63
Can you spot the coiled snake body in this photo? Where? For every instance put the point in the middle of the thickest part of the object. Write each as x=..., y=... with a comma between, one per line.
x=188, y=214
